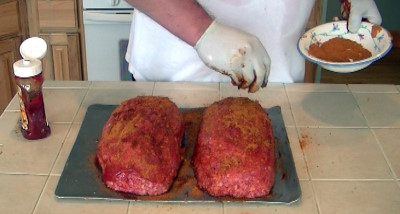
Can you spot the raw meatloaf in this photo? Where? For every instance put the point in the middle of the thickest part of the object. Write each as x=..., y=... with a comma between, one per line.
x=139, y=150
x=235, y=152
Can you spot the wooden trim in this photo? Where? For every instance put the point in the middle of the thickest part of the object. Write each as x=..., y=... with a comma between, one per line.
x=396, y=38
x=23, y=19
x=315, y=19
x=316, y=14
x=82, y=43
x=311, y=72
x=60, y=58
x=33, y=17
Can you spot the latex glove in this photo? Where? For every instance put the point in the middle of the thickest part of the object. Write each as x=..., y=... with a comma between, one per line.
x=363, y=9
x=235, y=53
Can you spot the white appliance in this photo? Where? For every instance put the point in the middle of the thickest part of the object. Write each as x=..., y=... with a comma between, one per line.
x=107, y=25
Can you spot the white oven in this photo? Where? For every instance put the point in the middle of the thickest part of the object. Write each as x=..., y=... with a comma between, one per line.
x=107, y=25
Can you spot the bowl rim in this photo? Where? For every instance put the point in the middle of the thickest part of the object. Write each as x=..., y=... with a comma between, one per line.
x=368, y=60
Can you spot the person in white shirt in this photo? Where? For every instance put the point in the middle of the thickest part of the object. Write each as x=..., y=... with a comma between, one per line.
x=247, y=42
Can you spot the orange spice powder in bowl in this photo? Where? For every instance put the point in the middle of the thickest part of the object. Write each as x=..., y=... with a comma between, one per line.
x=332, y=47
x=339, y=50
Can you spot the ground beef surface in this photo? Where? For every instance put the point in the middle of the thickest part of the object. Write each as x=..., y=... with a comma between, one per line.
x=235, y=152
x=139, y=150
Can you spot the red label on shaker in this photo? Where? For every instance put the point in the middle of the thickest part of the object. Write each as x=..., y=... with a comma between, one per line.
x=33, y=117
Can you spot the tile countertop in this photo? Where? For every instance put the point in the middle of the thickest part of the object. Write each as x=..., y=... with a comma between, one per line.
x=345, y=141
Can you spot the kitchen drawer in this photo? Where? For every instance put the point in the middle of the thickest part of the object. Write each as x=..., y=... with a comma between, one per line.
x=57, y=14
x=9, y=20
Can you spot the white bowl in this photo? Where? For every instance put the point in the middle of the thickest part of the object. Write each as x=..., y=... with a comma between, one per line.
x=379, y=46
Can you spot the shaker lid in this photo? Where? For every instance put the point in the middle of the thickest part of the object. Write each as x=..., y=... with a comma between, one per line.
x=33, y=48
x=27, y=68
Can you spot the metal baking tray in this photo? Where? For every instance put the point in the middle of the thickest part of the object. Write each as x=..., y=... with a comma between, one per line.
x=81, y=177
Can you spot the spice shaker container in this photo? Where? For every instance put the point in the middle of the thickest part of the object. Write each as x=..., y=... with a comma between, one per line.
x=29, y=79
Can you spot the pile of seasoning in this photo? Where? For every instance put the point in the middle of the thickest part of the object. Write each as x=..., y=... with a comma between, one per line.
x=339, y=50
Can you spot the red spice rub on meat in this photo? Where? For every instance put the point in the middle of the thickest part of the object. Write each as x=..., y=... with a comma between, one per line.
x=235, y=152
x=139, y=150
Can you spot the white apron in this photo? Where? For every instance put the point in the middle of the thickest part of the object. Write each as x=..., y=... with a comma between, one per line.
x=154, y=54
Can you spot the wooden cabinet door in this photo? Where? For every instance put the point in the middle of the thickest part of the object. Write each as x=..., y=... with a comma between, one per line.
x=8, y=55
x=9, y=22
x=13, y=19
x=62, y=61
x=57, y=15
x=315, y=19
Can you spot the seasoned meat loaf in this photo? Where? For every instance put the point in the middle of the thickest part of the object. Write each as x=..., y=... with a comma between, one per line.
x=235, y=152
x=139, y=150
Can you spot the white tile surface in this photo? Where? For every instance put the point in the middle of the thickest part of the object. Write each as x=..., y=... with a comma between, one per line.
x=335, y=151
x=122, y=85
x=14, y=104
x=375, y=88
x=110, y=96
x=368, y=197
x=65, y=84
x=62, y=105
x=306, y=204
x=174, y=208
x=311, y=87
x=301, y=166
x=188, y=95
x=20, y=156
x=344, y=154
x=66, y=149
x=49, y=203
x=389, y=139
x=380, y=110
x=273, y=95
x=228, y=87
x=227, y=90
x=326, y=109
x=19, y=193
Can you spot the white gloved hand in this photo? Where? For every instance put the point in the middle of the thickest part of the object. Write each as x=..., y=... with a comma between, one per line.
x=363, y=9
x=235, y=53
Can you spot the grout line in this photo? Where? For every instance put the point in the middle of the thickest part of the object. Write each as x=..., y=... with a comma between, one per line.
x=65, y=87
x=359, y=107
x=54, y=163
x=355, y=180
x=384, y=154
x=59, y=151
x=375, y=136
x=317, y=204
x=219, y=91
x=331, y=127
x=61, y=123
x=153, y=89
x=41, y=193
x=129, y=206
x=12, y=110
x=82, y=101
x=23, y=173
